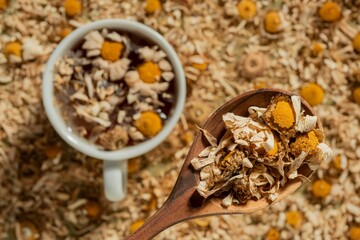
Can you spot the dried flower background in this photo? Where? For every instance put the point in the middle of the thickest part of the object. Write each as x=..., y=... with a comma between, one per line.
x=51, y=191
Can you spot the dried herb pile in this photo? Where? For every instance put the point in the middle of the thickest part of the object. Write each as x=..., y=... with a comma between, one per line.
x=258, y=154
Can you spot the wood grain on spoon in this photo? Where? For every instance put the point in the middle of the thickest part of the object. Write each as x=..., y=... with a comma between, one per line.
x=184, y=203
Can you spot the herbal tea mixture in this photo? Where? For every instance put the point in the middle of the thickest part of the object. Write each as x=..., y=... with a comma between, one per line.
x=227, y=47
x=115, y=89
x=258, y=154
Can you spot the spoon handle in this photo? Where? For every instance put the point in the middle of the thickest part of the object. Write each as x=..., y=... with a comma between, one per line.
x=178, y=207
x=173, y=211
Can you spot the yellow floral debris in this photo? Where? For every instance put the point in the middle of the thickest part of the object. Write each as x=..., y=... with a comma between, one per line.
x=111, y=51
x=272, y=234
x=294, y=218
x=272, y=22
x=201, y=222
x=66, y=31
x=356, y=95
x=3, y=4
x=283, y=114
x=149, y=72
x=355, y=233
x=134, y=165
x=273, y=151
x=227, y=159
x=260, y=85
x=312, y=93
x=136, y=225
x=200, y=66
x=52, y=151
x=72, y=7
x=306, y=142
x=321, y=188
x=152, y=6
x=93, y=209
x=152, y=204
x=188, y=137
x=29, y=231
x=246, y=9
x=337, y=162
x=356, y=43
x=330, y=12
x=13, y=48
x=317, y=48
x=149, y=124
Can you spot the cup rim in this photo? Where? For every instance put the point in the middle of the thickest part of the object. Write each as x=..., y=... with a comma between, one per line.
x=78, y=142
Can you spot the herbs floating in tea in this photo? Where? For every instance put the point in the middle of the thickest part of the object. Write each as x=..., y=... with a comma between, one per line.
x=112, y=87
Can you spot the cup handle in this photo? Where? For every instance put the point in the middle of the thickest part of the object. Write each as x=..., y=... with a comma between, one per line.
x=115, y=180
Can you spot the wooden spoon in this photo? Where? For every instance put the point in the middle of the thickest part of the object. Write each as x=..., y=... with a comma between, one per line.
x=184, y=202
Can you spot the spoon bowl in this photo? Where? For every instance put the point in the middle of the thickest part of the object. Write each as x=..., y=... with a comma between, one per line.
x=185, y=203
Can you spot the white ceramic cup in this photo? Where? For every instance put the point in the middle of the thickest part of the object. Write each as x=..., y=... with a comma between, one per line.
x=115, y=162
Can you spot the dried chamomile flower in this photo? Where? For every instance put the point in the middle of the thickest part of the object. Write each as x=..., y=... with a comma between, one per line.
x=231, y=161
x=254, y=64
x=188, y=137
x=246, y=9
x=3, y=4
x=136, y=225
x=317, y=48
x=273, y=22
x=356, y=43
x=250, y=134
x=151, y=204
x=72, y=7
x=259, y=85
x=152, y=6
x=281, y=116
x=93, y=42
x=115, y=138
x=93, y=209
x=13, y=48
x=354, y=233
x=29, y=230
x=53, y=151
x=321, y=188
x=65, y=31
x=200, y=66
x=272, y=234
x=149, y=124
x=306, y=142
x=275, y=149
x=259, y=153
x=294, y=218
x=111, y=51
x=149, y=72
x=198, y=62
x=139, y=88
x=339, y=162
x=201, y=222
x=330, y=12
x=312, y=93
x=356, y=95
x=134, y=165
